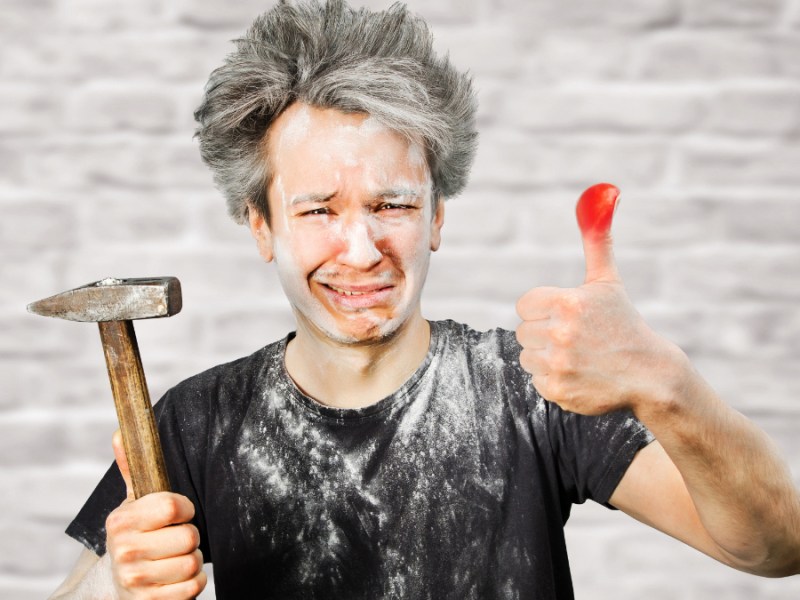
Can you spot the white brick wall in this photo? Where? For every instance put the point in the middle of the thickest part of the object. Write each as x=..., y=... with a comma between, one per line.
x=691, y=106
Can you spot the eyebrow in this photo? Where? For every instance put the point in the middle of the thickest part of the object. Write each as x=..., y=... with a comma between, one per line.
x=399, y=192
x=312, y=197
x=322, y=197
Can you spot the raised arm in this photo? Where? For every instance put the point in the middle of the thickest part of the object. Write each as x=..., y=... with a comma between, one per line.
x=152, y=550
x=712, y=479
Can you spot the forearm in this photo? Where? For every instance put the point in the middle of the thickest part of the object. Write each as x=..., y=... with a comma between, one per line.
x=90, y=580
x=741, y=488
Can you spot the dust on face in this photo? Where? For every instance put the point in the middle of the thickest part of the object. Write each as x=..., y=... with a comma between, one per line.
x=352, y=224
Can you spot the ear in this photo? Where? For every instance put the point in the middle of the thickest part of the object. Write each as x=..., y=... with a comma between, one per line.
x=261, y=233
x=436, y=225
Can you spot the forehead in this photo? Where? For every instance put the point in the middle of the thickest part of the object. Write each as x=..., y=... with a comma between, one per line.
x=306, y=141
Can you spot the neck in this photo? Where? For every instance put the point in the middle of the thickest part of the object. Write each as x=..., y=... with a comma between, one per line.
x=355, y=376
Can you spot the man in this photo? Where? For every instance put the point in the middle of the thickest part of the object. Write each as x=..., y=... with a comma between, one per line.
x=370, y=453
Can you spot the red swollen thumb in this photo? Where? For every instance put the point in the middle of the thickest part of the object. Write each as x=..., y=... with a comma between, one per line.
x=595, y=212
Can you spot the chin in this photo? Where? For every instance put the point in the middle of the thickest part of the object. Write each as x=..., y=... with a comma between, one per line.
x=366, y=331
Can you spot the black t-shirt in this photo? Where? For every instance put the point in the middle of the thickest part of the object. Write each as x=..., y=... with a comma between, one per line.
x=456, y=486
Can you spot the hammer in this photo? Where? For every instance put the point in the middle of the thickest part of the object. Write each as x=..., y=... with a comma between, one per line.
x=113, y=304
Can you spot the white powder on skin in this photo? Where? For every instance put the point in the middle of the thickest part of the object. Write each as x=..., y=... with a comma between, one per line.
x=351, y=160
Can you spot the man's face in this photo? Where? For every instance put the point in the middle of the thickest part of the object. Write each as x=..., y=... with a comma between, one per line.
x=351, y=227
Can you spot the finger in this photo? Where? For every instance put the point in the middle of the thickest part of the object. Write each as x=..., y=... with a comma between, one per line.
x=175, y=569
x=122, y=463
x=150, y=513
x=595, y=211
x=536, y=304
x=136, y=580
x=533, y=335
x=168, y=542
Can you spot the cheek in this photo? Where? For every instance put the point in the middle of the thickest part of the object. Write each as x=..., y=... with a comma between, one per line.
x=407, y=244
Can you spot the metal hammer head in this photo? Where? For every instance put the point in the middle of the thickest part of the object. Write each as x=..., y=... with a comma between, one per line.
x=114, y=300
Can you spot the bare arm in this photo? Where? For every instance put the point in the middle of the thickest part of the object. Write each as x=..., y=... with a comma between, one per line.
x=89, y=578
x=715, y=481
x=152, y=549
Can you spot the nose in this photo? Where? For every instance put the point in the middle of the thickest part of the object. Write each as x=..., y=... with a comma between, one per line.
x=360, y=251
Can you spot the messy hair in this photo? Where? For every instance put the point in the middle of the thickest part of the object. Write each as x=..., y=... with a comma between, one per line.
x=333, y=56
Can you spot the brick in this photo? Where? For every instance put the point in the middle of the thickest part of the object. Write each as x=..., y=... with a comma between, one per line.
x=732, y=275
x=217, y=225
x=786, y=47
x=27, y=110
x=736, y=13
x=488, y=51
x=504, y=276
x=210, y=14
x=28, y=58
x=33, y=336
x=707, y=56
x=115, y=107
x=751, y=383
x=30, y=549
x=661, y=221
x=481, y=218
x=602, y=109
x=38, y=439
x=136, y=217
x=774, y=330
x=749, y=111
x=690, y=327
x=34, y=225
x=437, y=12
x=478, y=314
x=765, y=220
x=243, y=332
x=18, y=16
x=81, y=375
x=40, y=269
x=625, y=14
x=170, y=55
x=576, y=56
x=513, y=158
x=136, y=163
x=11, y=164
x=50, y=495
x=21, y=588
x=723, y=165
x=88, y=16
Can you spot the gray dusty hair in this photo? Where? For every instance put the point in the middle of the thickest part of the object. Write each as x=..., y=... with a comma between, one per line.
x=333, y=56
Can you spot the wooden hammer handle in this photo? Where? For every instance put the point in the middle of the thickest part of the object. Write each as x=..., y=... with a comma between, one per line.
x=134, y=411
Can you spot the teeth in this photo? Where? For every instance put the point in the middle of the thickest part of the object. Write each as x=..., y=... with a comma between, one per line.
x=346, y=292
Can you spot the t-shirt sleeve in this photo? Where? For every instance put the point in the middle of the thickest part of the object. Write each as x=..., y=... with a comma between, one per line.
x=88, y=527
x=593, y=452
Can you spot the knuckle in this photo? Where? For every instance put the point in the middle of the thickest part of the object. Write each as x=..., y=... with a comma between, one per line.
x=561, y=363
x=570, y=304
x=117, y=522
x=563, y=334
x=125, y=554
x=129, y=578
x=189, y=537
x=197, y=584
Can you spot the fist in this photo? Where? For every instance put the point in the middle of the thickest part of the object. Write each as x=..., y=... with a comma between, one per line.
x=587, y=348
x=153, y=548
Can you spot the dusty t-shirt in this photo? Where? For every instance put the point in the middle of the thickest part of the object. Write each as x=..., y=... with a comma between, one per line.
x=456, y=486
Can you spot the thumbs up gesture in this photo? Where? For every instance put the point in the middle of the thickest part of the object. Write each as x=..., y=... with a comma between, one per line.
x=587, y=348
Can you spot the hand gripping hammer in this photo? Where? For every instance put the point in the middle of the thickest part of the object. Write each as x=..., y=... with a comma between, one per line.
x=113, y=304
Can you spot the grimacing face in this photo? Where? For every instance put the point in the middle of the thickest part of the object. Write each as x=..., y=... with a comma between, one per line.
x=351, y=223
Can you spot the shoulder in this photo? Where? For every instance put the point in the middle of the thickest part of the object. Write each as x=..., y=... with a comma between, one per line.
x=226, y=383
x=496, y=348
